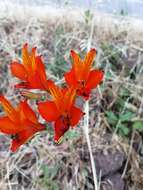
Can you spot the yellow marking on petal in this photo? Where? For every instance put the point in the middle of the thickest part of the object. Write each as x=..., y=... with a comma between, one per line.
x=69, y=98
x=57, y=95
x=26, y=58
x=33, y=60
x=77, y=64
x=82, y=67
x=89, y=58
x=11, y=112
x=60, y=140
x=88, y=61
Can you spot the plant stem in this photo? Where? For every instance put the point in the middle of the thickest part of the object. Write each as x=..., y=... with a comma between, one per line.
x=86, y=131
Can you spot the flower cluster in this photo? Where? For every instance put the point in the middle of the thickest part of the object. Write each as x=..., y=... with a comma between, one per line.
x=60, y=107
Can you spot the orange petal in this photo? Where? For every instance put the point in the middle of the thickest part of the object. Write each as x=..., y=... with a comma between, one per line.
x=41, y=68
x=49, y=83
x=55, y=91
x=76, y=115
x=95, y=77
x=8, y=127
x=88, y=63
x=33, y=59
x=35, y=81
x=57, y=94
x=41, y=72
x=25, y=85
x=68, y=99
x=70, y=78
x=77, y=64
x=90, y=58
x=18, y=70
x=26, y=58
x=75, y=57
x=60, y=129
x=25, y=135
x=10, y=111
x=48, y=110
x=28, y=112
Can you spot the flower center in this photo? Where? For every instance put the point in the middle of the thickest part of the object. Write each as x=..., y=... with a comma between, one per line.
x=66, y=119
x=81, y=83
x=15, y=137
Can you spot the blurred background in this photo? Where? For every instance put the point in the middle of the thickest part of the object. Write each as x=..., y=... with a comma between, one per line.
x=132, y=8
x=55, y=27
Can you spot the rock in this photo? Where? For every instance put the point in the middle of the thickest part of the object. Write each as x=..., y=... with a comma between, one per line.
x=109, y=163
x=114, y=182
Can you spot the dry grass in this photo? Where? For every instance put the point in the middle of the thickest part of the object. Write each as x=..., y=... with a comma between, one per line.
x=41, y=165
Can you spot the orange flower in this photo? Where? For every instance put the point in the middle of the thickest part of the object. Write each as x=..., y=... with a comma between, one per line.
x=21, y=122
x=61, y=110
x=31, y=72
x=81, y=76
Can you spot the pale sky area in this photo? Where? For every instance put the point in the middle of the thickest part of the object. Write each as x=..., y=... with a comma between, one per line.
x=133, y=8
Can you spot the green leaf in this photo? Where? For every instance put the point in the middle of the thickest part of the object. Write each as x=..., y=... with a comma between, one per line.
x=108, y=74
x=88, y=16
x=138, y=125
x=50, y=171
x=126, y=116
x=71, y=134
x=124, y=92
x=125, y=130
x=112, y=117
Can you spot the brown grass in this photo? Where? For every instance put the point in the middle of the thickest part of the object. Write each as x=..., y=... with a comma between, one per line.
x=55, y=32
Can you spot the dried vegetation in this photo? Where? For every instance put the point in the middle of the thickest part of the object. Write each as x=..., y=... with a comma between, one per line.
x=116, y=108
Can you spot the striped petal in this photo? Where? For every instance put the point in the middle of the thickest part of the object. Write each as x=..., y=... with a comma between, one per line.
x=26, y=58
x=10, y=111
x=77, y=64
x=90, y=58
x=28, y=112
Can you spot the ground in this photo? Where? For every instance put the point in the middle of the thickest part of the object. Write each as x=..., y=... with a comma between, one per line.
x=116, y=107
